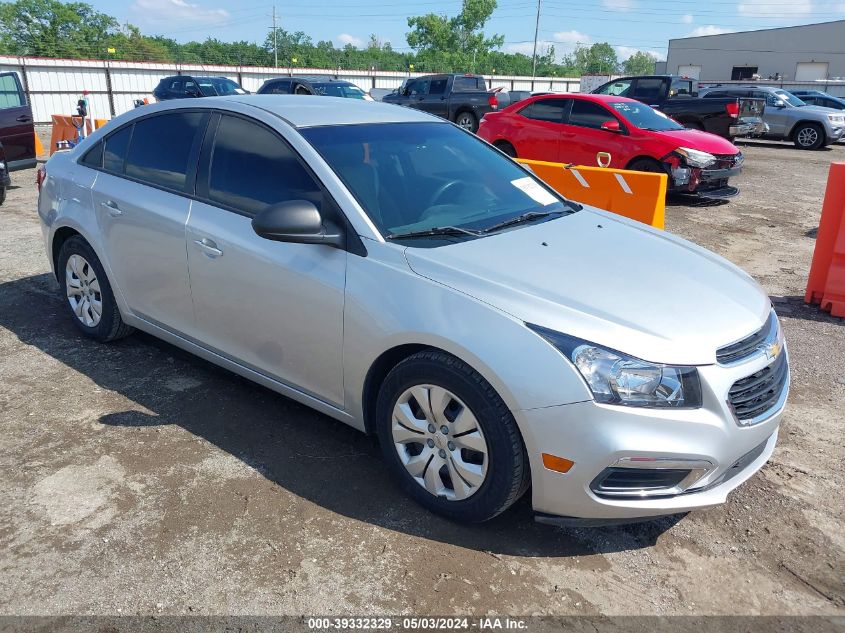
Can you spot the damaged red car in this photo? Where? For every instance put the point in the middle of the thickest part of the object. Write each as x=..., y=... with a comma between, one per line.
x=612, y=131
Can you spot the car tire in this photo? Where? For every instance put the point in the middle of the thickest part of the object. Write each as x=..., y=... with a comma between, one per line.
x=87, y=293
x=646, y=164
x=808, y=136
x=505, y=148
x=482, y=447
x=2, y=195
x=467, y=120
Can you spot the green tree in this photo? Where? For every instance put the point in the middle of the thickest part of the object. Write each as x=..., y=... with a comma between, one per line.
x=457, y=43
x=51, y=28
x=598, y=59
x=640, y=63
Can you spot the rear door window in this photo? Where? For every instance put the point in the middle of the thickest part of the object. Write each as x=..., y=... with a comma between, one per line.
x=437, y=86
x=114, y=154
x=161, y=147
x=648, y=88
x=550, y=110
x=252, y=168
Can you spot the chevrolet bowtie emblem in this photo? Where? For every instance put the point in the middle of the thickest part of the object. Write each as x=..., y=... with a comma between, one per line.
x=773, y=349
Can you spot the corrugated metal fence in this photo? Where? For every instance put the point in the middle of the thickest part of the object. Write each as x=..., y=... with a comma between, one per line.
x=54, y=85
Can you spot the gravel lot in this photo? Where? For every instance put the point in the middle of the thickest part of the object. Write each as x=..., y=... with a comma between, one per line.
x=135, y=478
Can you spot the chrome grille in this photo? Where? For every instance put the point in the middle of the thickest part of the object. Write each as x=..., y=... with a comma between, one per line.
x=727, y=161
x=754, y=395
x=749, y=346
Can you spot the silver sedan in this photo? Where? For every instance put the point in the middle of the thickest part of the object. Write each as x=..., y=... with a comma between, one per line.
x=394, y=272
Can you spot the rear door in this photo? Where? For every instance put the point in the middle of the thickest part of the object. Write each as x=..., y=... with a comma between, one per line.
x=142, y=208
x=583, y=138
x=650, y=90
x=17, y=132
x=274, y=307
x=435, y=101
x=539, y=136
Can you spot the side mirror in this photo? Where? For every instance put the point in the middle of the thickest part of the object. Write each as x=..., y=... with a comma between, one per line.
x=611, y=126
x=296, y=221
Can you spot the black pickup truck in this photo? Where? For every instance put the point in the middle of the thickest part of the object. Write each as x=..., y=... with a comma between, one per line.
x=677, y=97
x=460, y=98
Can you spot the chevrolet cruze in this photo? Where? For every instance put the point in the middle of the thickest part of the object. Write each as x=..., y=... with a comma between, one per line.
x=397, y=273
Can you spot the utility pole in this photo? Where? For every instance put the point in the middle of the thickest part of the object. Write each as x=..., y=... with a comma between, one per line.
x=536, y=32
x=275, y=41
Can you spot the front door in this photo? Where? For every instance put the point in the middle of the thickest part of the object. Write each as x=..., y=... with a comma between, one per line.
x=584, y=140
x=777, y=113
x=17, y=132
x=272, y=306
x=142, y=208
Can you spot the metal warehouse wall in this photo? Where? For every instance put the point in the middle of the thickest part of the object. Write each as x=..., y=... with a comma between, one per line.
x=771, y=50
x=54, y=85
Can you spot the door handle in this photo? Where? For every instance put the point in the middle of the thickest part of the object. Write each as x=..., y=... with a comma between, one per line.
x=209, y=247
x=24, y=118
x=111, y=207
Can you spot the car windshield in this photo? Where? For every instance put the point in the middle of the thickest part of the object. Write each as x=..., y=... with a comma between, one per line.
x=412, y=177
x=644, y=117
x=790, y=98
x=339, y=90
x=219, y=86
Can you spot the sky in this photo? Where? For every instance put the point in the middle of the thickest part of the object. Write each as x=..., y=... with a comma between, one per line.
x=628, y=25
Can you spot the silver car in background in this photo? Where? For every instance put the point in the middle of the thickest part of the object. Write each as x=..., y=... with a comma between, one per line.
x=394, y=272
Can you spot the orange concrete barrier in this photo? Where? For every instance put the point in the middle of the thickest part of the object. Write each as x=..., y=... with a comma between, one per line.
x=637, y=195
x=39, y=148
x=826, y=282
x=64, y=130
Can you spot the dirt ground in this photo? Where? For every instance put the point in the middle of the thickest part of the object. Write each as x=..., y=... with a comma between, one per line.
x=135, y=478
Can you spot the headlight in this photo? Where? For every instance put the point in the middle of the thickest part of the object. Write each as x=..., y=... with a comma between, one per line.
x=696, y=158
x=836, y=118
x=615, y=378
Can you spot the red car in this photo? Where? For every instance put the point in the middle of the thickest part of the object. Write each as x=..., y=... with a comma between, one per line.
x=612, y=131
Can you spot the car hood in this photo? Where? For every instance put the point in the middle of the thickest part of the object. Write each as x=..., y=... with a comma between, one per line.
x=607, y=280
x=697, y=139
x=817, y=108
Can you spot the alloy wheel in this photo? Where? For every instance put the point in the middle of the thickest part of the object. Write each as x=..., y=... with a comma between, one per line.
x=465, y=121
x=440, y=442
x=808, y=136
x=83, y=290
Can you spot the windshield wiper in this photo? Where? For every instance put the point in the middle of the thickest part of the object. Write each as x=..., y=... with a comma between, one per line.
x=520, y=219
x=437, y=230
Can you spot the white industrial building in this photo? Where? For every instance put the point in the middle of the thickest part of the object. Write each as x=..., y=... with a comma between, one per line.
x=813, y=52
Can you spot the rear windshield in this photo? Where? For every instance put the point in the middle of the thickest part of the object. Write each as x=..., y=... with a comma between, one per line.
x=218, y=86
x=339, y=90
x=644, y=117
x=468, y=84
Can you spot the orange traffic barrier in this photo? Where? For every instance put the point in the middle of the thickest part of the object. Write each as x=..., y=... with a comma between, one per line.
x=826, y=283
x=637, y=195
x=65, y=130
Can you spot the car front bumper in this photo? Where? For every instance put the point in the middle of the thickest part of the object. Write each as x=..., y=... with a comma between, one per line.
x=596, y=437
x=836, y=134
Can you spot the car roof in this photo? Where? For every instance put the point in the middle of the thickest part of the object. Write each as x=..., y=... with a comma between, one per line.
x=583, y=96
x=310, y=110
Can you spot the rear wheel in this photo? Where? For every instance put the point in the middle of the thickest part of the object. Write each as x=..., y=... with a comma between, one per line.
x=88, y=295
x=449, y=439
x=808, y=136
x=467, y=120
x=505, y=148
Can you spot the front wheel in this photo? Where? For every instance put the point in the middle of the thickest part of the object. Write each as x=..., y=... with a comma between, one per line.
x=506, y=148
x=449, y=439
x=467, y=120
x=808, y=136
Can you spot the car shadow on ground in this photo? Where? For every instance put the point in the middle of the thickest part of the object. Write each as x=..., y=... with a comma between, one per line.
x=793, y=307
x=681, y=200
x=307, y=453
x=779, y=145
